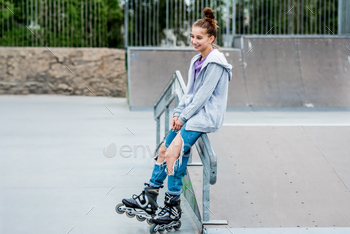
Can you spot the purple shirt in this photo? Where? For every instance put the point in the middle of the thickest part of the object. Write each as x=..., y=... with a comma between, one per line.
x=198, y=65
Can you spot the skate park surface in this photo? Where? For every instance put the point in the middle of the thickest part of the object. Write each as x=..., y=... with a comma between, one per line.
x=275, y=176
x=278, y=171
x=55, y=177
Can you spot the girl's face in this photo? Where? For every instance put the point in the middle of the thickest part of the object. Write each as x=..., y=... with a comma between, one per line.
x=200, y=40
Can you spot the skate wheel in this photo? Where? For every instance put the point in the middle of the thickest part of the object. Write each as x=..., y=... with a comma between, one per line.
x=161, y=230
x=117, y=208
x=139, y=218
x=129, y=215
x=178, y=225
x=149, y=222
x=152, y=229
x=169, y=229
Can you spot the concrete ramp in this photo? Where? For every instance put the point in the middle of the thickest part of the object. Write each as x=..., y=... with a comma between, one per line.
x=325, y=70
x=287, y=179
x=150, y=69
x=296, y=72
x=268, y=72
x=271, y=71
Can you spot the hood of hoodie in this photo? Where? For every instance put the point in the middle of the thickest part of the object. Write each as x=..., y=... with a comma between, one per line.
x=215, y=57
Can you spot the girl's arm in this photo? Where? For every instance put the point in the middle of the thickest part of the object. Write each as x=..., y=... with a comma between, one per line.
x=211, y=78
x=180, y=107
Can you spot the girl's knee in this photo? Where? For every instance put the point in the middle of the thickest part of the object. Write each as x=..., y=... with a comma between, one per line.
x=162, y=149
x=161, y=154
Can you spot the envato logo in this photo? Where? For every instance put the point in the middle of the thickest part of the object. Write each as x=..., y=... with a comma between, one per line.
x=127, y=150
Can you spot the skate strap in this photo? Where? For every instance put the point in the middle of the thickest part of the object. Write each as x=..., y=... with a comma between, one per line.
x=140, y=197
x=164, y=210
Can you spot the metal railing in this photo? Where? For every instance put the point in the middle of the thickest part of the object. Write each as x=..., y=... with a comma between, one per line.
x=169, y=22
x=174, y=90
x=166, y=23
x=96, y=23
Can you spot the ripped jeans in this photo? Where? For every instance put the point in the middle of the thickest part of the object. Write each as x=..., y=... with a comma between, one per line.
x=160, y=170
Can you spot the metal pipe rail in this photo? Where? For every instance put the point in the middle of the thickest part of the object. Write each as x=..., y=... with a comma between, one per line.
x=175, y=89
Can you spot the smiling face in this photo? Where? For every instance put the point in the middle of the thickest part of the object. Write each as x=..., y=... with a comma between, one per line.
x=200, y=40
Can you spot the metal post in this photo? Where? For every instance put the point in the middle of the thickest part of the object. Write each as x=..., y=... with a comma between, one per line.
x=340, y=15
x=233, y=18
x=177, y=101
x=158, y=131
x=190, y=158
x=167, y=22
x=140, y=24
x=166, y=126
x=302, y=17
x=206, y=195
x=227, y=23
x=145, y=28
x=126, y=23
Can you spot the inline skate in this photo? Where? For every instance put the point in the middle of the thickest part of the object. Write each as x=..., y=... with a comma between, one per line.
x=143, y=206
x=169, y=216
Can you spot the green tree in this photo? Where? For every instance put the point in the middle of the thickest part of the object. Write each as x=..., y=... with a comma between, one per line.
x=69, y=23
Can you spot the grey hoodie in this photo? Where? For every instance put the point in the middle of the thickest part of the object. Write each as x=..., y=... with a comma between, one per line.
x=203, y=106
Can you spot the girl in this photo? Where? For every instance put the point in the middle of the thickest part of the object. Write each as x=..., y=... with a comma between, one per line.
x=202, y=109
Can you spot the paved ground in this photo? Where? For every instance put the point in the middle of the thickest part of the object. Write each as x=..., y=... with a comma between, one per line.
x=280, y=172
x=288, y=118
x=55, y=177
x=282, y=176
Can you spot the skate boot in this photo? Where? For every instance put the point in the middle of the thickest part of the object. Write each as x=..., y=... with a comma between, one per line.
x=169, y=217
x=143, y=206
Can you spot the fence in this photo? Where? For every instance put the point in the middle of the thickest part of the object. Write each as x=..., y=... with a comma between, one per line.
x=103, y=23
x=286, y=17
x=165, y=23
x=168, y=22
x=60, y=23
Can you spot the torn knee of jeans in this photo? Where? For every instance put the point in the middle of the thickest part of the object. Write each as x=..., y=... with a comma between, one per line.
x=160, y=149
x=163, y=146
x=178, y=161
x=175, y=166
x=161, y=164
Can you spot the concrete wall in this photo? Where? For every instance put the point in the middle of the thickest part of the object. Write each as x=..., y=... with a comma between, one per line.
x=297, y=72
x=42, y=70
x=268, y=72
x=150, y=69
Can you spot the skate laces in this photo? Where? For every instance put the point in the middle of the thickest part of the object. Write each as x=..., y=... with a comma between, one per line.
x=164, y=210
x=135, y=196
x=141, y=197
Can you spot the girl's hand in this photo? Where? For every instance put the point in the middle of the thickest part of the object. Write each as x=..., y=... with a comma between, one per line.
x=178, y=125
x=173, y=122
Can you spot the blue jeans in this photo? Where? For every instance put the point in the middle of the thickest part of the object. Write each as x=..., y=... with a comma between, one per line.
x=160, y=170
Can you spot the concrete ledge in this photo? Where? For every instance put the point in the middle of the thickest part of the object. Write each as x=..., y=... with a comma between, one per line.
x=70, y=71
x=339, y=230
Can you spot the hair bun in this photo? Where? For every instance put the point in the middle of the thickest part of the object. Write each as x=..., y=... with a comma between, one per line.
x=209, y=13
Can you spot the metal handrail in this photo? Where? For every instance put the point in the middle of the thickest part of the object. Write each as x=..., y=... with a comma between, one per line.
x=175, y=89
